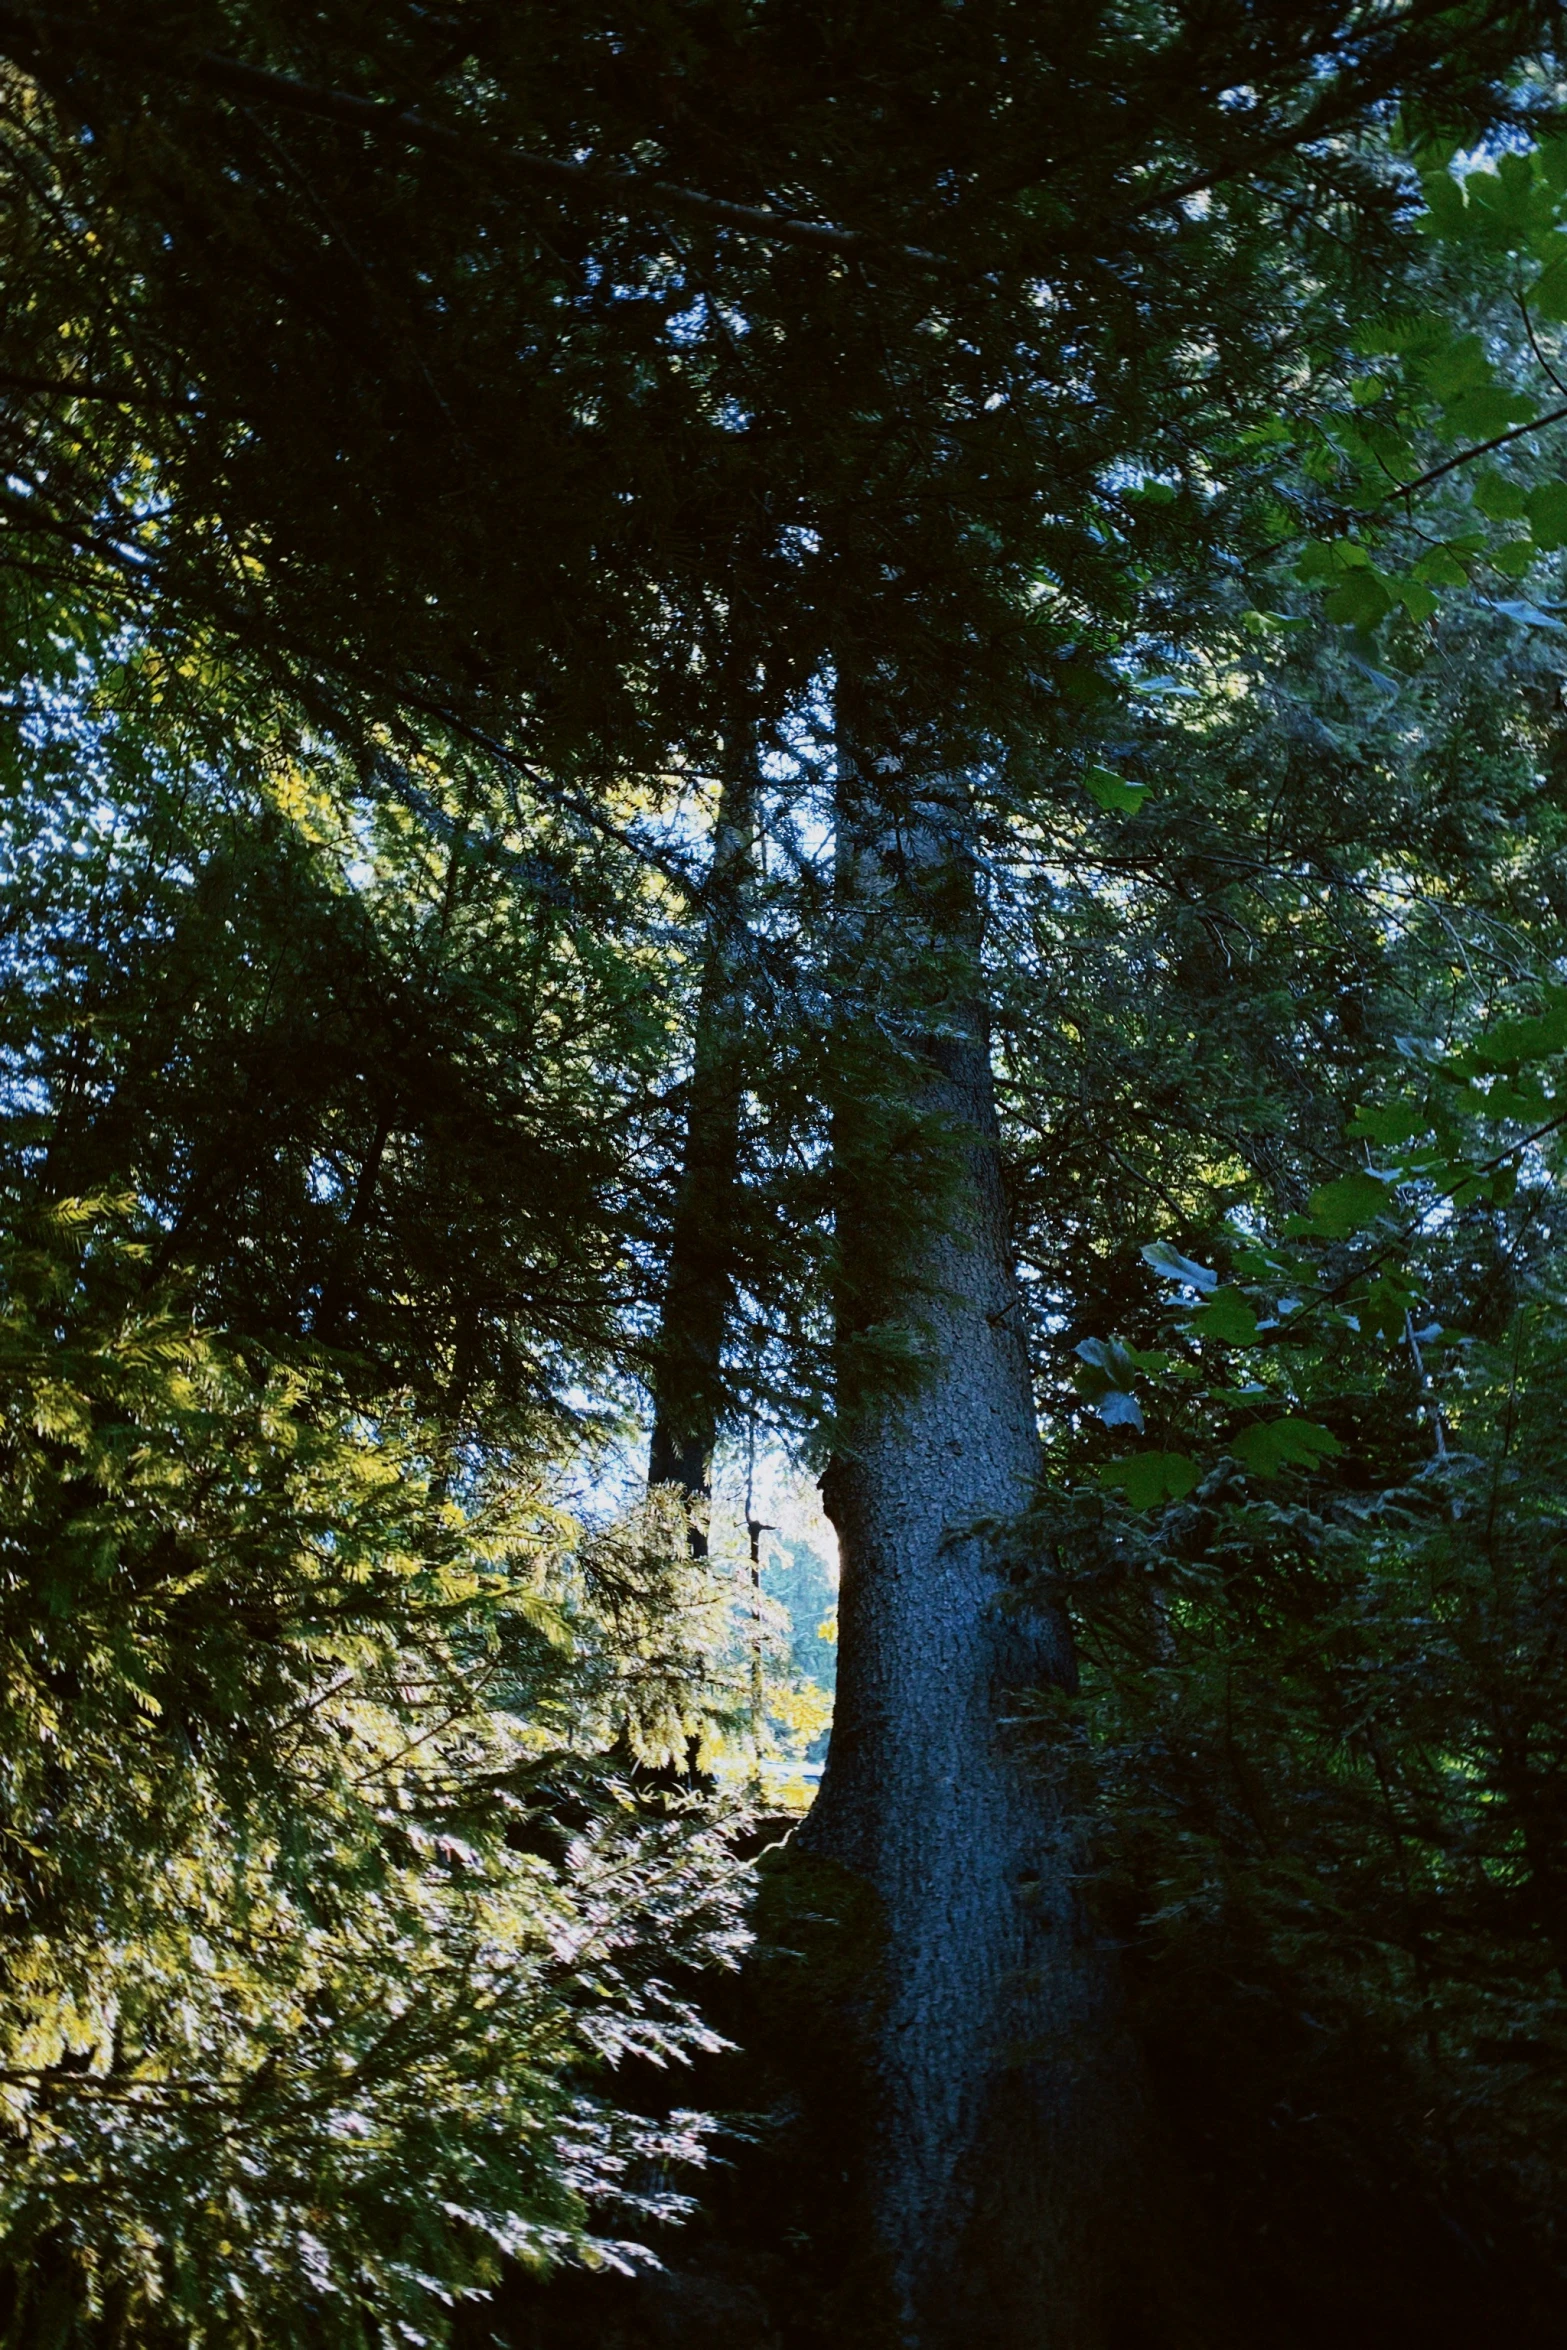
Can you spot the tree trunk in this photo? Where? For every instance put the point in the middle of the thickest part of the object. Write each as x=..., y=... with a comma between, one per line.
x=1000, y=2080
x=688, y=1381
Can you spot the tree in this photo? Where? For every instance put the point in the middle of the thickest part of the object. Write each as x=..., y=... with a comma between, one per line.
x=1280, y=1022
x=695, y=1315
x=324, y=1911
x=948, y=376
x=308, y=1961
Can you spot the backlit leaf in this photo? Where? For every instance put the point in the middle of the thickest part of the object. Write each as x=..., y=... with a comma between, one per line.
x=1169, y=1261
x=1113, y=791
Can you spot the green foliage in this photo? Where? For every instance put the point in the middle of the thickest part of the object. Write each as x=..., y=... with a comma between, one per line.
x=1148, y=1478
x=1315, y=1045
x=407, y=515
x=1331, y=1739
x=1266, y=1447
x=1105, y=1380
x=797, y=1580
x=1472, y=374
x=317, y=1929
x=375, y=1086
x=1108, y=790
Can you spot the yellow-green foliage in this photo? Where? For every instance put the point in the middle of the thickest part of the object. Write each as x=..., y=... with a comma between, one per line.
x=311, y=1929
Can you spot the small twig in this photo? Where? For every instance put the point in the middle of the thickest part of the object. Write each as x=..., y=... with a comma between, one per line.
x=1546, y=367
x=1433, y=1409
x=1400, y=1240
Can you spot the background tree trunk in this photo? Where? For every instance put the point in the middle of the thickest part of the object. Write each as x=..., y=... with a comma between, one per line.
x=688, y=1384
x=1003, y=2087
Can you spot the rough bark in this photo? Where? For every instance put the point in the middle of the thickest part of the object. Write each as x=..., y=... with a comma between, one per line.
x=1001, y=2083
x=688, y=1382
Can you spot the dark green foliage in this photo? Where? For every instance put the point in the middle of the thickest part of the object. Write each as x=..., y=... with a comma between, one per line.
x=323, y=1908
x=1319, y=1604
x=380, y=1101
x=576, y=462
x=435, y=439
x=1331, y=1729
x=781, y=2246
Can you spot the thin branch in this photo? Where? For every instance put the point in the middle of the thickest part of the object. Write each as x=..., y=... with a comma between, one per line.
x=1400, y=1240
x=78, y=388
x=386, y=118
x=1534, y=345
x=1423, y=481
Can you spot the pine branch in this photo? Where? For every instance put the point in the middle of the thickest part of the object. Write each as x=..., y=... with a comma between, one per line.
x=387, y=119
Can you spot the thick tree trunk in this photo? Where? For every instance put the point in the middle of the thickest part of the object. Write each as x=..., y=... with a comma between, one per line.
x=688, y=1382
x=1001, y=2082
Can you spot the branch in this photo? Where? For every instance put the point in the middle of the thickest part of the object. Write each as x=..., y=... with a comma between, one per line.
x=1400, y=1240
x=1356, y=86
x=1422, y=481
x=385, y=117
x=78, y=388
x=1534, y=344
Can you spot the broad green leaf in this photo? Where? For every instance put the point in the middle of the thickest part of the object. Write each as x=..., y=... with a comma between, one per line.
x=1392, y=1122
x=1446, y=207
x=1418, y=601
x=1440, y=567
x=1361, y=602
x=1525, y=1104
x=1282, y=1444
x=1387, y=1301
x=1481, y=414
x=1455, y=368
x=1513, y=201
x=1344, y=1206
x=1228, y=1317
x=1329, y=558
x=1499, y=496
x=1512, y=1041
x=1148, y=1478
x=1547, y=507
x=1082, y=682
x=1547, y=297
x=1113, y=791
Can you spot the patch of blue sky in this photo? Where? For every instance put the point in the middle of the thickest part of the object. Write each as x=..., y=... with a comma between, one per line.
x=689, y=325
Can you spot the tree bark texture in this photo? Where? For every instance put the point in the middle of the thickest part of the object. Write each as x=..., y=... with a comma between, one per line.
x=1001, y=2083
x=688, y=1382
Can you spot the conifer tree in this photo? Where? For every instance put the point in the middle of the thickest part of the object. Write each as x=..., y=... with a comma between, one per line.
x=443, y=356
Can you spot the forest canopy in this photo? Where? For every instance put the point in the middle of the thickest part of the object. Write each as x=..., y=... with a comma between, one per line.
x=745, y=746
